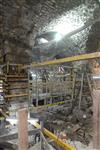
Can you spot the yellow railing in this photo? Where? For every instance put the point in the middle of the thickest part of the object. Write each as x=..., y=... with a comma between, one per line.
x=58, y=141
x=64, y=60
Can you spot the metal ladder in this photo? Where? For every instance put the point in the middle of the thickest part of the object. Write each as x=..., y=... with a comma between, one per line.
x=83, y=87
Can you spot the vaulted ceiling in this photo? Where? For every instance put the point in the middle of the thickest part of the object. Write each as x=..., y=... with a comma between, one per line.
x=22, y=20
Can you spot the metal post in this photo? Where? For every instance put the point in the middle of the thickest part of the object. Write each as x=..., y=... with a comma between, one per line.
x=37, y=94
x=29, y=101
x=81, y=90
x=8, y=67
x=96, y=119
x=45, y=100
x=41, y=147
x=73, y=88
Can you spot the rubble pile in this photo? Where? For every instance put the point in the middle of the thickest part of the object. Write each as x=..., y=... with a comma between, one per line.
x=76, y=124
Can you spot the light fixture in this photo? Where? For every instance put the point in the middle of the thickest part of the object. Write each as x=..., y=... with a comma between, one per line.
x=33, y=74
x=69, y=21
x=43, y=40
x=96, y=77
x=58, y=37
x=14, y=121
x=64, y=28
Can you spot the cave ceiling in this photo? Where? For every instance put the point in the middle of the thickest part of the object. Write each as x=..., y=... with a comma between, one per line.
x=21, y=21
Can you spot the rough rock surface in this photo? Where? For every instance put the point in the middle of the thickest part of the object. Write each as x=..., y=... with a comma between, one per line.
x=21, y=21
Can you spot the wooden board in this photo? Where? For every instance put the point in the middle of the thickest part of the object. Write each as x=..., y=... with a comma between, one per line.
x=23, y=129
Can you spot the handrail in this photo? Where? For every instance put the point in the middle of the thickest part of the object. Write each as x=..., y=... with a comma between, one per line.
x=65, y=60
x=58, y=141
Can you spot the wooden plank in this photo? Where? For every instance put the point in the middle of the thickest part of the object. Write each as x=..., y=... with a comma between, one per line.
x=96, y=119
x=17, y=87
x=16, y=95
x=23, y=129
x=16, y=76
x=65, y=60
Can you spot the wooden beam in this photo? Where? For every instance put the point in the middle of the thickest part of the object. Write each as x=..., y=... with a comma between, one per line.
x=16, y=95
x=65, y=60
x=96, y=119
x=23, y=129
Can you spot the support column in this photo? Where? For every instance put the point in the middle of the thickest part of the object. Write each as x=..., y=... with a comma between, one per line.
x=23, y=129
x=96, y=119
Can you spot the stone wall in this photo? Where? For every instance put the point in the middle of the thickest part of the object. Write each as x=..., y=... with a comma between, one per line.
x=20, y=21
